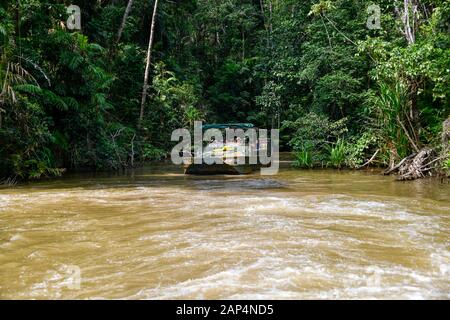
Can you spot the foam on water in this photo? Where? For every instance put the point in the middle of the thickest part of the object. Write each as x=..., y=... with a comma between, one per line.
x=229, y=238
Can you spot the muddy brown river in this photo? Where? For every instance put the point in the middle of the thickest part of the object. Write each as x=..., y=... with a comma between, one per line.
x=158, y=234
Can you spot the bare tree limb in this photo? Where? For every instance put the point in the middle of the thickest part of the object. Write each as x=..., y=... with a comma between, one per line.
x=399, y=164
x=370, y=160
x=407, y=135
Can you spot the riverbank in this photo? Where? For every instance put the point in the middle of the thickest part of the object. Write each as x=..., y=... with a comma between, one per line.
x=286, y=162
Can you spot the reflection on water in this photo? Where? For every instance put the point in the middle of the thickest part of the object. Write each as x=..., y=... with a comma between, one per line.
x=156, y=233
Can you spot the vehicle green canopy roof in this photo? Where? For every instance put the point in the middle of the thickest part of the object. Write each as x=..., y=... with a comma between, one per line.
x=227, y=125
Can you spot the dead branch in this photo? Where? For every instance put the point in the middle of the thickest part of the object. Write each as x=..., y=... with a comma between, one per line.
x=407, y=134
x=413, y=169
x=370, y=160
x=395, y=168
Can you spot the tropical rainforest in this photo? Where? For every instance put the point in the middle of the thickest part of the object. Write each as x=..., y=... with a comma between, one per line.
x=349, y=83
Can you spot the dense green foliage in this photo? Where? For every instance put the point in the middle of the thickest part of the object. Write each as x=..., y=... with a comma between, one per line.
x=338, y=90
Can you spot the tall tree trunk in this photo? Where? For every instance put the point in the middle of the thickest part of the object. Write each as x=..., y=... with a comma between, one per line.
x=410, y=19
x=124, y=20
x=148, y=61
x=270, y=26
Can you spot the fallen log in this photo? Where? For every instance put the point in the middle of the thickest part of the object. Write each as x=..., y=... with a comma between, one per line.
x=414, y=167
x=426, y=161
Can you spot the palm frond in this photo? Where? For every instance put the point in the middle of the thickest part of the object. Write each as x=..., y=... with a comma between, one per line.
x=37, y=67
x=28, y=88
x=54, y=100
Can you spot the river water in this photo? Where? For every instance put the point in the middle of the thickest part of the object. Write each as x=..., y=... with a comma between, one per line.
x=156, y=233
